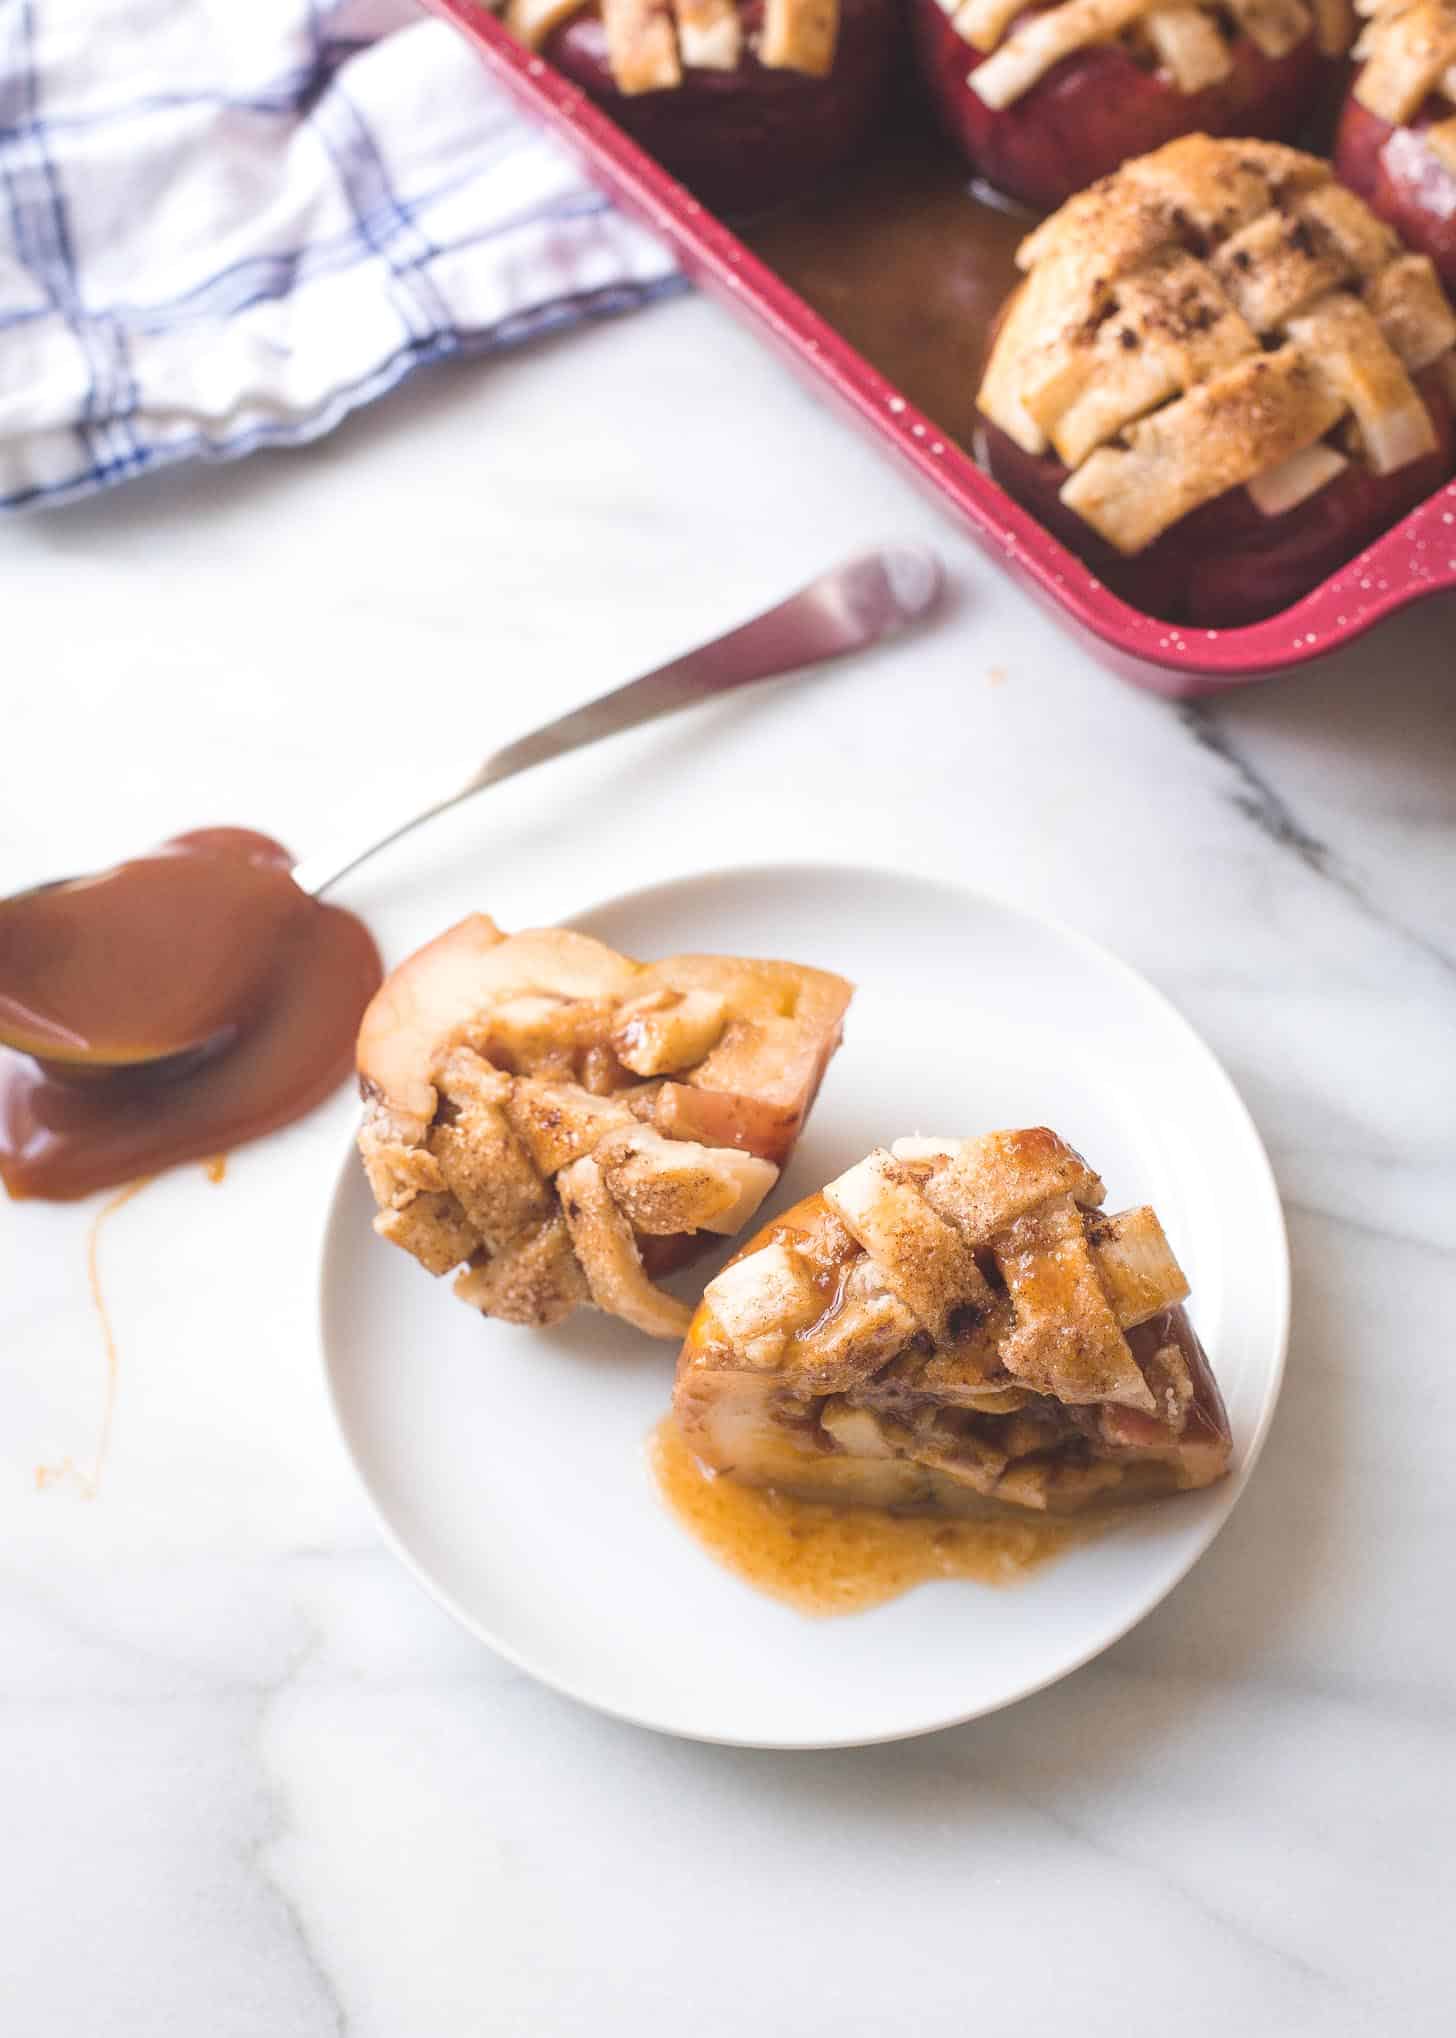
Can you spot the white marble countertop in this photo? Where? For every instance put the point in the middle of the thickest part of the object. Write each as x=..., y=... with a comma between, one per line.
x=256, y=1786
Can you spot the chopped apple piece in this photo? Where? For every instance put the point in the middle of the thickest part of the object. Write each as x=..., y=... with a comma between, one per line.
x=665, y=1030
x=769, y=1293
x=1302, y=475
x=1189, y=46
x=855, y=1430
x=921, y=1149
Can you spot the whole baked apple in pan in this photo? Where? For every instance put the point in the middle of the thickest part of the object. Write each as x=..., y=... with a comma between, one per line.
x=1220, y=377
x=955, y=1327
x=1396, y=143
x=565, y=1125
x=749, y=102
x=1043, y=100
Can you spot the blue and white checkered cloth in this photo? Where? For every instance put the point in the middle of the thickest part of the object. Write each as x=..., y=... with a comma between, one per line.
x=226, y=223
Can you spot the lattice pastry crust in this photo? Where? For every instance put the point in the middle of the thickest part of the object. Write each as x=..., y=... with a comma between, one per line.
x=651, y=42
x=955, y=1324
x=1407, y=50
x=1215, y=314
x=564, y=1123
x=1189, y=39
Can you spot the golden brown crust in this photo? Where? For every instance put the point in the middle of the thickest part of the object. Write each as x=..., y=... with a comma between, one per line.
x=533, y=21
x=1247, y=421
x=1189, y=39
x=641, y=45
x=962, y=1310
x=1408, y=53
x=799, y=35
x=651, y=42
x=709, y=34
x=538, y=1282
x=1200, y=319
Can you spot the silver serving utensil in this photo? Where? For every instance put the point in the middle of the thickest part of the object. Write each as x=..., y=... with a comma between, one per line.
x=847, y=609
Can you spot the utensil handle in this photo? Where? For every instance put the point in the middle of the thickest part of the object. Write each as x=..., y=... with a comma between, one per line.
x=857, y=604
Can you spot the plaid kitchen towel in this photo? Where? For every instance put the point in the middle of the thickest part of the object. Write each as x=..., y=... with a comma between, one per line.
x=224, y=223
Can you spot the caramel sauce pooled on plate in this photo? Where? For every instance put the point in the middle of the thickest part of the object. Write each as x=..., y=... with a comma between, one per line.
x=168, y=1010
x=822, y=1559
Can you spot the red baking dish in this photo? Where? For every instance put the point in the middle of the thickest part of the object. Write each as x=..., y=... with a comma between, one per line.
x=1415, y=559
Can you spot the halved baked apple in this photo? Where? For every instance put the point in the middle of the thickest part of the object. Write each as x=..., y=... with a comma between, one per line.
x=565, y=1124
x=1221, y=376
x=1396, y=143
x=749, y=102
x=1044, y=99
x=955, y=1326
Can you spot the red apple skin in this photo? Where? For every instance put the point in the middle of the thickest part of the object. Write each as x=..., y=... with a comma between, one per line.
x=751, y=138
x=1097, y=108
x=1402, y=179
x=1227, y=563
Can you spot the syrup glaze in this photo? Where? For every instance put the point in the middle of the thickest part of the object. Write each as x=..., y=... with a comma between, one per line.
x=822, y=1559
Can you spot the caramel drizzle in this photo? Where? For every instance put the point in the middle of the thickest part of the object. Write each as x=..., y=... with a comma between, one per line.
x=68, y=1472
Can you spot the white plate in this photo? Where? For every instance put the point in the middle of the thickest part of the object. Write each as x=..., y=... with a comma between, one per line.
x=508, y=1467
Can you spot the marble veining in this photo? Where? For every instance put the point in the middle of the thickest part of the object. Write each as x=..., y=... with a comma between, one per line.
x=1262, y=804
x=254, y=1782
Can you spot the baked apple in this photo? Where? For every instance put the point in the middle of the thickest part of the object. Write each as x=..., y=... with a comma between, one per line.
x=1396, y=143
x=1044, y=100
x=955, y=1326
x=565, y=1125
x=1220, y=377
x=749, y=102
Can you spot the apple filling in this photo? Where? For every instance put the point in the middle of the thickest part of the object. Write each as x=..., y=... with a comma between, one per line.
x=955, y=1327
x=562, y=1124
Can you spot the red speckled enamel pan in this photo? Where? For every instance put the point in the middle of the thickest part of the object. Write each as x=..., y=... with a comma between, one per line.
x=1415, y=559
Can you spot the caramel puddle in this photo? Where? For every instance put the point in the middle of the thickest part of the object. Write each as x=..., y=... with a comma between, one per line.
x=825, y=1560
x=168, y=1009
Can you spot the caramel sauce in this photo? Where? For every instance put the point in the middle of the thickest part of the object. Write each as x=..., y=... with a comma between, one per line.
x=68, y=1471
x=908, y=264
x=822, y=1559
x=169, y=1010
